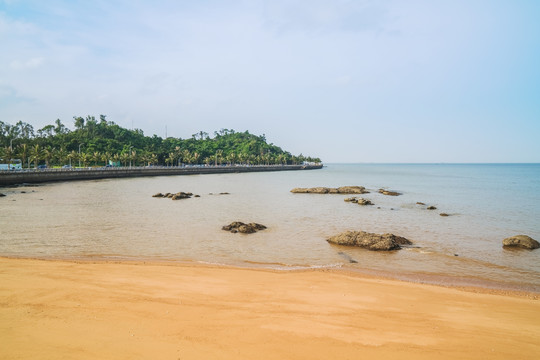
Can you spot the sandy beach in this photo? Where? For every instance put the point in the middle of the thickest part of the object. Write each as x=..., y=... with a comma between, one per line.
x=83, y=310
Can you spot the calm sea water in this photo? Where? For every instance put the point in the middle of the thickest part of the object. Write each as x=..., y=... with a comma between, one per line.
x=119, y=219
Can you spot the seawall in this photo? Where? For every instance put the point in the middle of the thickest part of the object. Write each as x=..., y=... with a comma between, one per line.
x=47, y=175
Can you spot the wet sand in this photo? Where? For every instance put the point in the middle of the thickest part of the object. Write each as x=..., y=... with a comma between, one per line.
x=74, y=310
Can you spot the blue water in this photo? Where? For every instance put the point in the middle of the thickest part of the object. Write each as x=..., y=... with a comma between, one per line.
x=118, y=218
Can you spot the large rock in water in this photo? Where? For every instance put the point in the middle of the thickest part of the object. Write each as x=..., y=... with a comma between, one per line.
x=325, y=190
x=238, y=226
x=522, y=241
x=370, y=241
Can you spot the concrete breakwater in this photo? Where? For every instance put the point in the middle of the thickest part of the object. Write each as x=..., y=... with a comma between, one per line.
x=47, y=175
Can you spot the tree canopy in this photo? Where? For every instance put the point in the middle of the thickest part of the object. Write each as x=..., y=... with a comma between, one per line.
x=98, y=142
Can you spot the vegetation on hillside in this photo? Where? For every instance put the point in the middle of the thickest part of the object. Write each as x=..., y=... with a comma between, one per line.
x=99, y=142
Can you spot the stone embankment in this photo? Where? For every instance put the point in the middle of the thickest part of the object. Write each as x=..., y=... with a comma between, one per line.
x=47, y=175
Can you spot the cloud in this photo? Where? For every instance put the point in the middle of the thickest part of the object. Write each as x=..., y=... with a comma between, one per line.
x=276, y=67
x=28, y=64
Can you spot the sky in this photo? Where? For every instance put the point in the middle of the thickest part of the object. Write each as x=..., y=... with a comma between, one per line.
x=393, y=81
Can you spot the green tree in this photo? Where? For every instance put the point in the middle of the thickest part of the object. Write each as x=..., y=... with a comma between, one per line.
x=36, y=154
x=23, y=153
x=9, y=155
x=48, y=155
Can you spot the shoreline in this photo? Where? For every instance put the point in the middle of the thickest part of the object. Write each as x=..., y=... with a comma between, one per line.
x=482, y=286
x=119, y=310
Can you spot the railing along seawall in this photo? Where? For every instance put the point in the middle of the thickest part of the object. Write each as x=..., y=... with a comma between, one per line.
x=31, y=176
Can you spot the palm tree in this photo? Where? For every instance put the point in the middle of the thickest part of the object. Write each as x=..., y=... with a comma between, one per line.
x=61, y=156
x=23, y=153
x=106, y=157
x=8, y=155
x=231, y=158
x=124, y=157
x=116, y=159
x=72, y=156
x=219, y=156
x=133, y=157
x=96, y=157
x=36, y=154
x=195, y=157
x=186, y=155
x=86, y=158
x=48, y=155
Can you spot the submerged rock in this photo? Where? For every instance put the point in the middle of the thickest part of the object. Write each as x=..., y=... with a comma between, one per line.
x=175, y=196
x=420, y=203
x=389, y=192
x=370, y=241
x=181, y=195
x=363, y=201
x=431, y=208
x=522, y=241
x=360, y=201
x=444, y=214
x=238, y=226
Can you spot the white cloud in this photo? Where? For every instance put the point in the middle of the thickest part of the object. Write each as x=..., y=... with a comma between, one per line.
x=271, y=67
x=28, y=64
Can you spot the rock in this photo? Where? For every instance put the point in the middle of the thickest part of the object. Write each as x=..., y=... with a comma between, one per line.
x=370, y=241
x=420, y=203
x=158, y=195
x=257, y=226
x=522, y=241
x=238, y=226
x=318, y=190
x=2, y=195
x=363, y=201
x=224, y=193
x=444, y=214
x=246, y=229
x=181, y=195
x=389, y=192
x=360, y=201
x=197, y=196
x=325, y=190
x=431, y=208
x=352, y=190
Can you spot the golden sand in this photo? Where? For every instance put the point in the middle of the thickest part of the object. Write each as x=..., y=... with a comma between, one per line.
x=70, y=310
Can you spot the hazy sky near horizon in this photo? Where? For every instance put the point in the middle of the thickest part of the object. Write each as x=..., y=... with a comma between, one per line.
x=345, y=80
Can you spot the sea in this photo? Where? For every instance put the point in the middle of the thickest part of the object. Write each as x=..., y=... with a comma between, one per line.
x=118, y=219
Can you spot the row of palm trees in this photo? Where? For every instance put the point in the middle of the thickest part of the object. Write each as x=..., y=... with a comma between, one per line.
x=36, y=154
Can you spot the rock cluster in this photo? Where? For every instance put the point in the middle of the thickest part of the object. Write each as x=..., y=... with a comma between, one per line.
x=240, y=227
x=370, y=241
x=522, y=241
x=389, y=192
x=360, y=201
x=175, y=196
x=326, y=190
